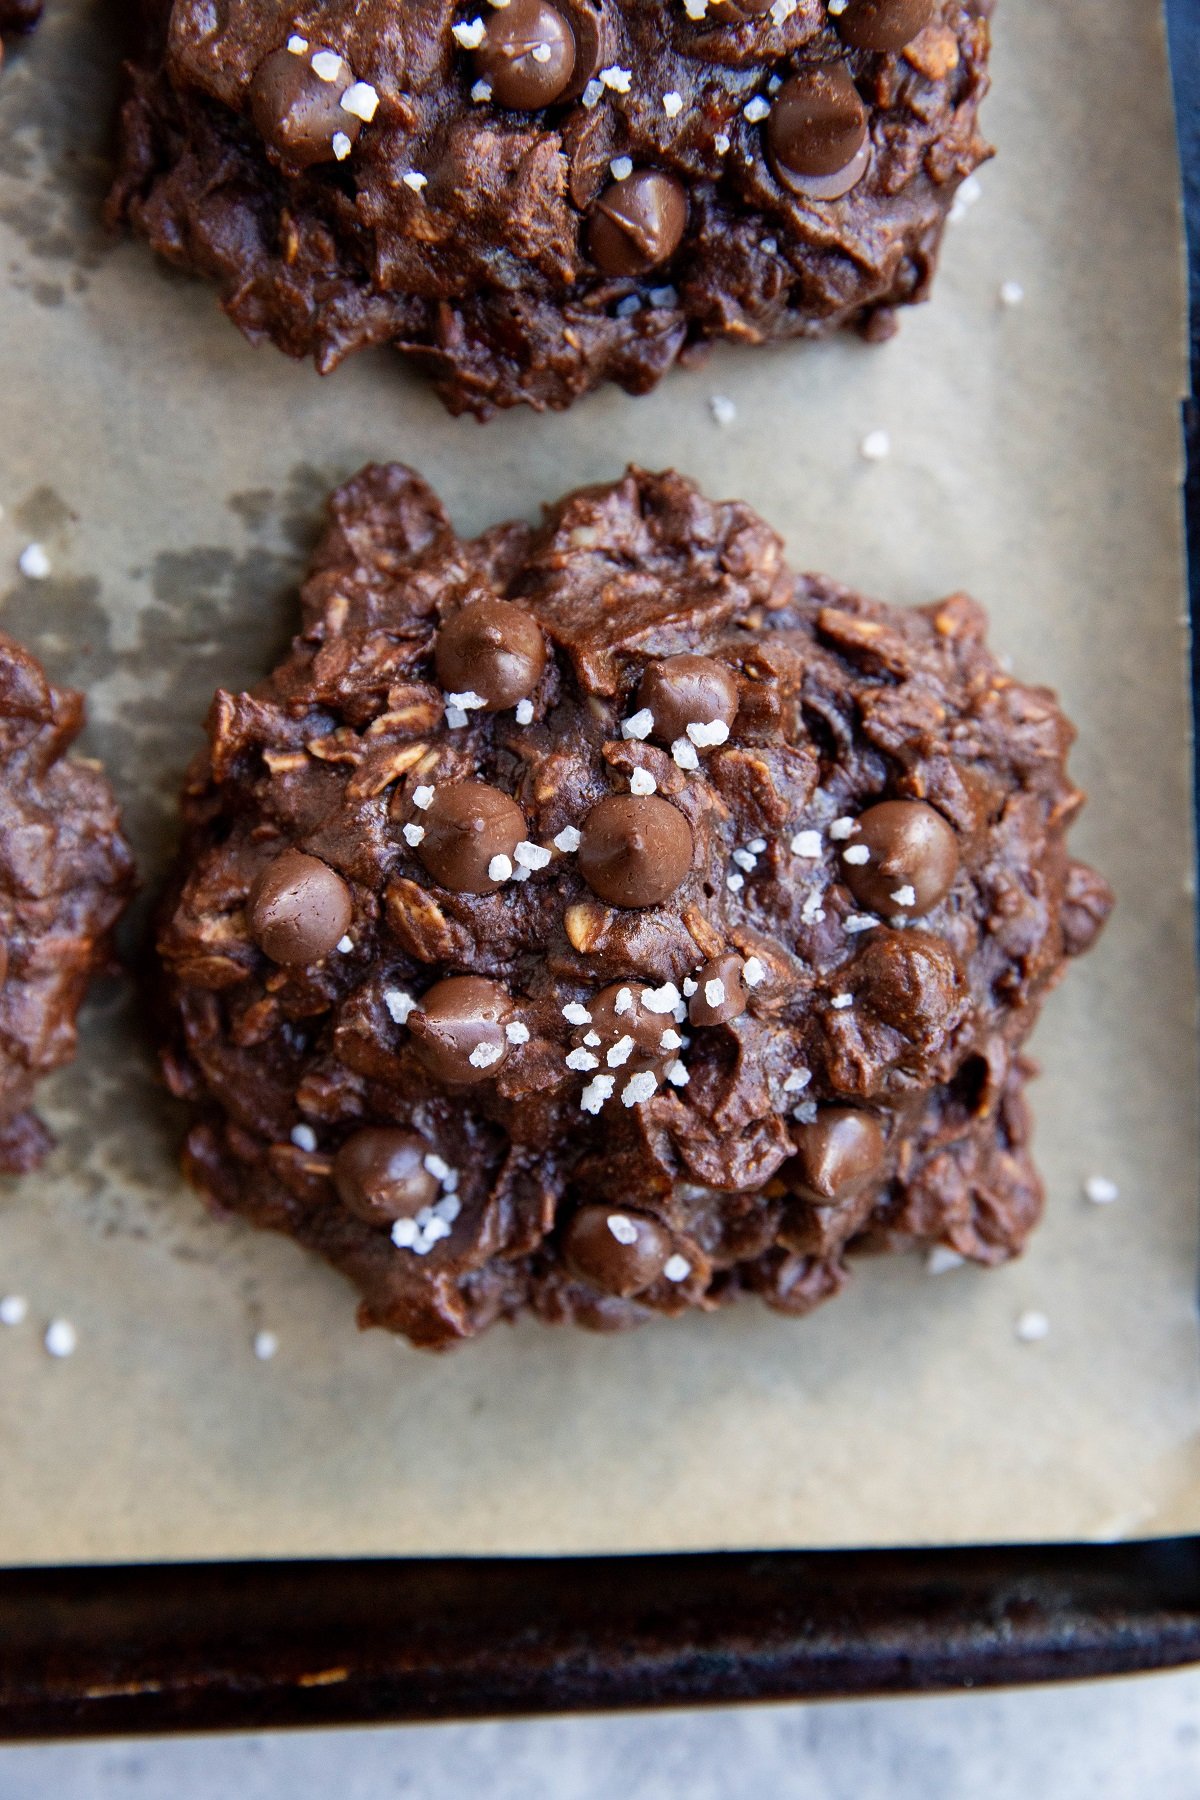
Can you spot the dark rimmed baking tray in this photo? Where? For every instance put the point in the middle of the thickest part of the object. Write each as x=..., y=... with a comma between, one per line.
x=193, y=1646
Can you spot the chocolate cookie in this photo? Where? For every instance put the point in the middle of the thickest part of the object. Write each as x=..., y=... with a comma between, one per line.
x=65, y=876
x=684, y=945
x=539, y=197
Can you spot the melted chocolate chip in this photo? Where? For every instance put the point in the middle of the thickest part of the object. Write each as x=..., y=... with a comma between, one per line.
x=635, y=849
x=618, y=1252
x=467, y=826
x=298, y=115
x=687, y=690
x=299, y=909
x=721, y=993
x=883, y=24
x=637, y=223
x=527, y=55
x=626, y=1027
x=837, y=1155
x=380, y=1175
x=817, y=128
x=491, y=648
x=458, y=1030
x=913, y=858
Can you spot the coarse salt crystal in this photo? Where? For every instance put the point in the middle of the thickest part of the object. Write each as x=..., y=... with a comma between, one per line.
x=875, y=446
x=591, y=96
x=754, y=971
x=670, y=1040
x=807, y=844
x=676, y=1074
x=672, y=104
x=516, y=1032
x=14, y=1308
x=61, y=1338
x=714, y=993
x=703, y=735
x=638, y=725
x=622, y=167
x=568, y=839
x=582, y=1059
x=436, y=1166
x=689, y=986
x=677, y=1268
x=722, y=409
x=623, y=1002
x=620, y=1053
x=735, y=883
x=642, y=782
x=469, y=701
x=361, y=101
x=456, y=718
x=33, y=562
x=344, y=945
x=598, y=1090
x=266, y=1345
x=1031, y=1327
x=484, y=1055
x=575, y=1014
x=757, y=845
x=904, y=896
x=662, y=999
x=857, y=855
x=623, y=1229
x=745, y=860
x=805, y=1113
x=327, y=65
x=341, y=146
x=423, y=797
x=304, y=1137
x=855, y=922
x=756, y=109
x=843, y=828
x=721, y=144
x=1011, y=293
x=500, y=869
x=695, y=9
x=399, y=1004
x=1100, y=1190
x=685, y=754
x=942, y=1259
x=297, y=44
x=481, y=92
x=412, y=834
x=470, y=34
x=617, y=78
x=797, y=1081
x=415, y=180
x=524, y=712
x=841, y=1001
x=532, y=856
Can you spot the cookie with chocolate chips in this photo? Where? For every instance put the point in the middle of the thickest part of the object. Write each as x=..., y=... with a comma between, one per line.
x=536, y=198
x=601, y=921
x=66, y=875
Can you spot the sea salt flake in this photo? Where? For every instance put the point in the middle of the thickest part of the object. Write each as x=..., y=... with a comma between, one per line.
x=265, y=1346
x=639, y=1088
x=1031, y=1327
x=568, y=840
x=670, y=1040
x=841, y=1001
x=14, y=1309
x=703, y=735
x=340, y=145
x=532, y=856
x=677, y=1268
x=689, y=986
x=857, y=855
x=663, y=296
x=782, y=10
x=806, y=844
x=624, y=1001
x=582, y=1059
x=843, y=828
x=676, y=1074
x=481, y=92
x=756, y=109
x=297, y=44
x=1011, y=293
x=797, y=1081
x=714, y=993
x=456, y=718
x=423, y=797
x=642, y=782
x=721, y=144
x=361, y=101
x=541, y=53
x=327, y=65
x=860, y=922
x=695, y=9
x=500, y=869
x=875, y=446
x=805, y=1113
x=745, y=860
x=770, y=246
x=591, y=96
x=412, y=834
x=592, y=1039
x=415, y=180
x=735, y=883
x=524, y=712
x=754, y=971
x=639, y=725
x=617, y=78
x=344, y=946
x=672, y=104
x=516, y=1032
x=623, y=1229
x=942, y=1259
x=404, y=1233
x=484, y=1055
x=399, y=1004
x=597, y=1091
x=620, y=1053
x=447, y=1208
x=1100, y=1190
x=757, y=845
x=662, y=999
x=61, y=1338
x=470, y=34
x=685, y=754
x=436, y=1166
x=304, y=1137
x=469, y=701
x=575, y=1014
x=622, y=167
x=722, y=409
x=904, y=896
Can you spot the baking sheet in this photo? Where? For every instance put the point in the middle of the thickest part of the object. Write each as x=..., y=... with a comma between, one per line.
x=175, y=476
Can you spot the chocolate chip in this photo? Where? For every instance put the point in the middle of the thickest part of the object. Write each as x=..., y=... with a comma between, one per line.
x=729, y=11
x=637, y=223
x=458, y=1029
x=471, y=831
x=817, y=129
x=527, y=55
x=299, y=909
x=491, y=648
x=912, y=861
x=721, y=993
x=837, y=1155
x=618, y=1252
x=617, y=1015
x=883, y=24
x=380, y=1175
x=298, y=115
x=687, y=690
x=635, y=849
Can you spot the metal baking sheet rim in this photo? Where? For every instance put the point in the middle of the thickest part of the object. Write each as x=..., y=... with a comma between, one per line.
x=153, y=1648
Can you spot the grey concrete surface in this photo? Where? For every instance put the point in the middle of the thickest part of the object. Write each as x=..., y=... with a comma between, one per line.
x=1124, y=1740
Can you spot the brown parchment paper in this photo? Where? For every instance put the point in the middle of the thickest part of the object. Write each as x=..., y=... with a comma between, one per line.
x=174, y=476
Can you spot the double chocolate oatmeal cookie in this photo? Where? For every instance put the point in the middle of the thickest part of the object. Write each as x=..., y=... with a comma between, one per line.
x=600, y=920
x=539, y=196
x=65, y=876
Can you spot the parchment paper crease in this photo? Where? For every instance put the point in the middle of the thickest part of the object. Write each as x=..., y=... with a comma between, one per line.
x=174, y=476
